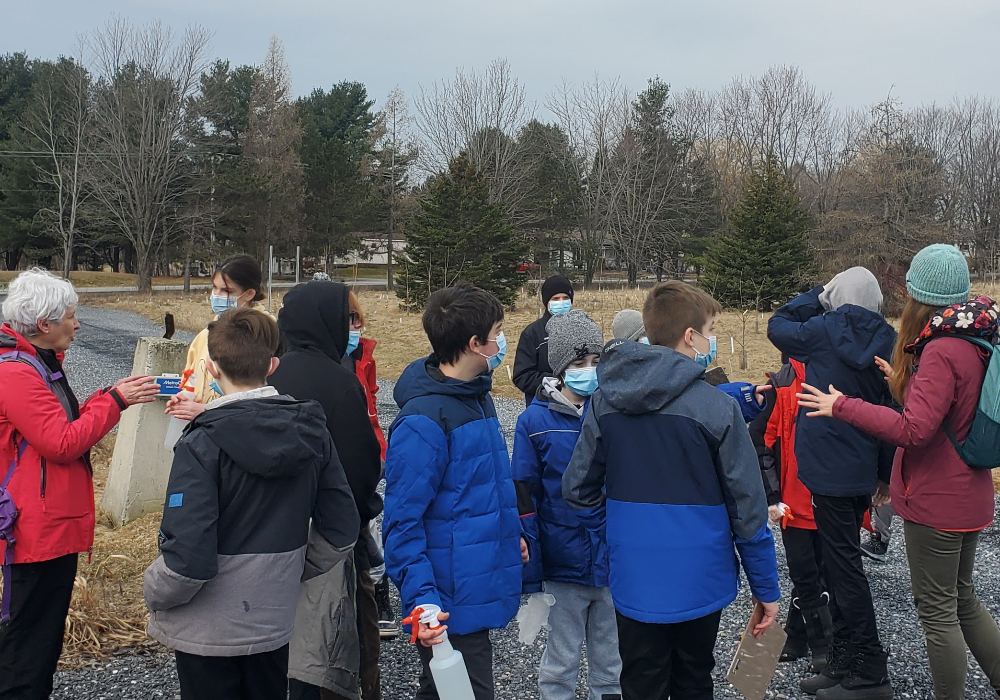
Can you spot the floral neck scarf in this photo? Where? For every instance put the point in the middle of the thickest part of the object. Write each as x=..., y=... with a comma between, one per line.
x=976, y=318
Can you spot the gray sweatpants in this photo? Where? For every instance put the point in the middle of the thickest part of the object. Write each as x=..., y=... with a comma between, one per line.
x=580, y=614
x=882, y=521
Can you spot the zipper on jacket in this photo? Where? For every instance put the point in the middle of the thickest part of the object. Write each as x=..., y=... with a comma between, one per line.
x=44, y=465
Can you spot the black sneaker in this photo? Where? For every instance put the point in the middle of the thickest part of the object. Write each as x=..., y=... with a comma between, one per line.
x=875, y=548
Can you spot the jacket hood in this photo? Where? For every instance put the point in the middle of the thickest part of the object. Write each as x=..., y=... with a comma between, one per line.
x=549, y=395
x=315, y=315
x=423, y=377
x=288, y=436
x=637, y=378
x=858, y=335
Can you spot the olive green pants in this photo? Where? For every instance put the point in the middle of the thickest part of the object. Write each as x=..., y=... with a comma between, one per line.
x=949, y=609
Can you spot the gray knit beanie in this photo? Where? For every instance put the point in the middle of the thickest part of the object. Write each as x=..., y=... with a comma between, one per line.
x=939, y=276
x=628, y=325
x=572, y=335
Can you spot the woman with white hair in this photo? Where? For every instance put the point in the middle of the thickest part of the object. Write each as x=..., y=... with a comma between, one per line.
x=46, y=482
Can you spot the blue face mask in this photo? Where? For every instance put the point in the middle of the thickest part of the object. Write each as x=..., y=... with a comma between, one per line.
x=560, y=307
x=222, y=304
x=353, y=339
x=216, y=388
x=706, y=360
x=644, y=340
x=582, y=381
x=494, y=361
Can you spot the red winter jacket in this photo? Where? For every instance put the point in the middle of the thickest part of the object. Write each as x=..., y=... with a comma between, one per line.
x=930, y=484
x=365, y=370
x=52, y=485
x=781, y=426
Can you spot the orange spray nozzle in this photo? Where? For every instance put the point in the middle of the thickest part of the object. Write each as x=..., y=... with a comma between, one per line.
x=414, y=621
x=186, y=374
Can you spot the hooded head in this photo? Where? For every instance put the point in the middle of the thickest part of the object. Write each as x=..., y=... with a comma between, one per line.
x=315, y=315
x=556, y=284
x=627, y=325
x=856, y=286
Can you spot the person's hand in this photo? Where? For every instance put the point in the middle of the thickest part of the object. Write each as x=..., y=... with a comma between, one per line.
x=819, y=403
x=137, y=389
x=429, y=636
x=884, y=366
x=881, y=496
x=769, y=613
x=758, y=393
x=524, y=551
x=774, y=514
x=184, y=406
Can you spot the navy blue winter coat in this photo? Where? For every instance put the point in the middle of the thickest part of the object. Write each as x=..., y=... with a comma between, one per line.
x=561, y=548
x=668, y=460
x=837, y=347
x=451, y=528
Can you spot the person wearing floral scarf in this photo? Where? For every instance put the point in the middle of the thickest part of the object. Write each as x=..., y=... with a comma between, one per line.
x=937, y=375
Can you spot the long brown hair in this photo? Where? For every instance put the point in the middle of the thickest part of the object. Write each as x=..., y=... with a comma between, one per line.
x=911, y=325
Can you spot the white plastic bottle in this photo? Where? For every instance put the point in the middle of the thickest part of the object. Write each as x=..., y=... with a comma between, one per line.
x=451, y=678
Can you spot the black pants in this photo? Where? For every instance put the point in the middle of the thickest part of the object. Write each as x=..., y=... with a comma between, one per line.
x=31, y=641
x=254, y=677
x=838, y=521
x=477, y=651
x=804, y=555
x=668, y=661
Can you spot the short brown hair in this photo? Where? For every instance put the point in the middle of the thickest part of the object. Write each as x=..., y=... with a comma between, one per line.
x=242, y=342
x=674, y=306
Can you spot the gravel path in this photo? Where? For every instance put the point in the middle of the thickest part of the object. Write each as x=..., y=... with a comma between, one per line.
x=103, y=352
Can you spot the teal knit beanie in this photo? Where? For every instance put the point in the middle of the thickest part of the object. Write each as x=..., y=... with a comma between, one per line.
x=939, y=276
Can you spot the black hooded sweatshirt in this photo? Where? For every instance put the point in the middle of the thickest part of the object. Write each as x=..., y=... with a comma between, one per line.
x=314, y=323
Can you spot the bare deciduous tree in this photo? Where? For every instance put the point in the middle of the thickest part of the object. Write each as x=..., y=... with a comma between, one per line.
x=143, y=79
x=273, y=140
x=479, y=114
x=396, y=151
x=595, y=118
x=58, y=121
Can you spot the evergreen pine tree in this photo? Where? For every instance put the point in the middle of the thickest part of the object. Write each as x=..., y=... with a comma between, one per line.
x=460, y=235
x=761, y=257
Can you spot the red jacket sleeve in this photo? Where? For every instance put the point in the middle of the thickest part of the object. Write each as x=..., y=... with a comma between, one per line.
x=929, y=399
x=35, y=412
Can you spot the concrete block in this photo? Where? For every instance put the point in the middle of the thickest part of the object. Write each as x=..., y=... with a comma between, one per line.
x=137, y=482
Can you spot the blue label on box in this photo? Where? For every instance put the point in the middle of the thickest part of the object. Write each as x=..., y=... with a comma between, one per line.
x=169, y=386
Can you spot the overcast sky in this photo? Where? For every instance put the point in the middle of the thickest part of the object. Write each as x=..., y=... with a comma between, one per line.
x=857, y=50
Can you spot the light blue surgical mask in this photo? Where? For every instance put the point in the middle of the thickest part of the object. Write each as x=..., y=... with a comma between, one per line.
x=644, y=340
x=581, y=381
x=216, y=388
x=494, y=361
x=706, y=360
x=353, y=339
x=562, y=306
x=222, y=304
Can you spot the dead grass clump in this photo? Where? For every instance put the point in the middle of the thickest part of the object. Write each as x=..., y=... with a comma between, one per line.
x=94, y=629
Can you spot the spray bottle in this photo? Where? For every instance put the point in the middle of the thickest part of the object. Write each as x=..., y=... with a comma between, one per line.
x=451, y=678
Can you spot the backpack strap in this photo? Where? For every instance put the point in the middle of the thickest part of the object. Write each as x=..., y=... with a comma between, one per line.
x=50, y=377
x=990, y=348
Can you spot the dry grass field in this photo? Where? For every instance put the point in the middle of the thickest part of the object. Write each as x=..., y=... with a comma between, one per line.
x=107, y=279
x=401, y=338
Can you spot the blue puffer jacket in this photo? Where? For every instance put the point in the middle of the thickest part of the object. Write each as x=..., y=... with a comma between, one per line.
x=837, y=347
x=561, y=548
x=669, y=461
x=451, y=529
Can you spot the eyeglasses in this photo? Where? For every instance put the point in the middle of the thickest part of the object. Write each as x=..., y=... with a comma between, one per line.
x=354, y=318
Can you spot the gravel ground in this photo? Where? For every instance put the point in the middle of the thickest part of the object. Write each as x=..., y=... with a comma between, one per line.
x=103, y=352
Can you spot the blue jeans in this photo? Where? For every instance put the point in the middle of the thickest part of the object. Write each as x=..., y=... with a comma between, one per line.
x=581, y=614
